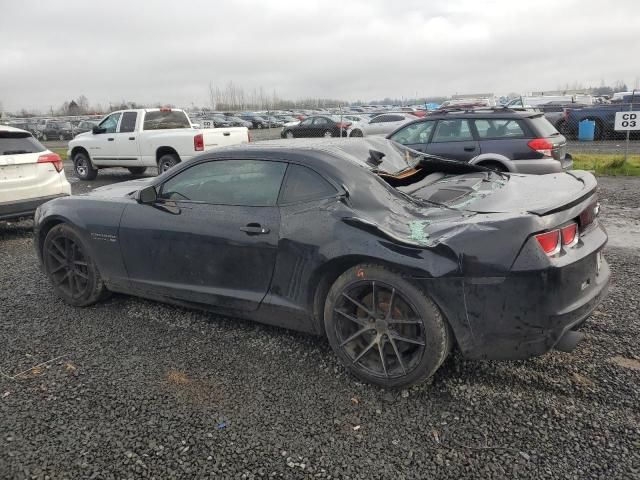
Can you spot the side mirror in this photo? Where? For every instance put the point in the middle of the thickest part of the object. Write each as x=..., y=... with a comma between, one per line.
x=96, y=130
x=147, y=195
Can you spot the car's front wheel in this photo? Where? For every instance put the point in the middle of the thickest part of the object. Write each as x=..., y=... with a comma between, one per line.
x=137, y=170
x=288, y=134
x=83, y=168
x=328, y=134
x=383, y=328
x=72, y=271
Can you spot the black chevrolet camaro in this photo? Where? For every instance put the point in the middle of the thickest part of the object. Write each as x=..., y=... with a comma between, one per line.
x=395, y=256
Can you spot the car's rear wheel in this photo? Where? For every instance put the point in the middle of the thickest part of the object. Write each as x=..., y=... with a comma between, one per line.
x=137, y=170
x=288, y=134
x=327, y=134
x=167, y=161
x=259, y=125
x=83, y=168
x=356, y=133
x=72, y=271
x=384, y=329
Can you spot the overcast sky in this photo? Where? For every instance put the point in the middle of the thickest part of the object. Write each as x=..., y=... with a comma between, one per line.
x=169, y=50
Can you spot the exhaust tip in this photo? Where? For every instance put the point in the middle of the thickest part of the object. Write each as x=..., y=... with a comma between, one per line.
x=569, y=341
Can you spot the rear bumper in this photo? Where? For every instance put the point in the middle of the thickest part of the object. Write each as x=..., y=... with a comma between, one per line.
x=527, y=312
x=542, y=166
x=23, y=208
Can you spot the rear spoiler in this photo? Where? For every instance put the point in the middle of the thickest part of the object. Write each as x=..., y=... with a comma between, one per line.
x=590, y=185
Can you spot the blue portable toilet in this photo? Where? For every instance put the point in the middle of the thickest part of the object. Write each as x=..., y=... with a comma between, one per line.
x=586, y=130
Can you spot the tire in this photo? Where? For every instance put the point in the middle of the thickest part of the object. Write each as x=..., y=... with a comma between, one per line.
x=356, y=133
x=260, y=125
x=137, y=170
x=497, y=166
x=73, y=273
x=289, y=134
x=83, y=168
x=412, y=351
x=44, y=137
x=167, y=161
x=327, y=134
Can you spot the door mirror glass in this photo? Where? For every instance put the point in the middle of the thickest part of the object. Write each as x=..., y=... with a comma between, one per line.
x=97, y=130
x=147, y=195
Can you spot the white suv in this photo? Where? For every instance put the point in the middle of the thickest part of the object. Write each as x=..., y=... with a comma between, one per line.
x=29, y=174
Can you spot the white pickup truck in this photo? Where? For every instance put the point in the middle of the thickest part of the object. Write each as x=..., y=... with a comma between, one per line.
x=152, y=137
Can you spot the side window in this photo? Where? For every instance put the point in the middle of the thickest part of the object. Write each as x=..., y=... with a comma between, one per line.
x=307, y=122
x=396, y=118
x=128, y=123
x=228, y=182
x=110, y=123
x=379, y=119
x=165, y=119
x=414, y=133
x=500, y=128
x=303, y=184
x=320, y=121
x=452, y=131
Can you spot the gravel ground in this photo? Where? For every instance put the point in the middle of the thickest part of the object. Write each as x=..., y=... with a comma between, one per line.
x=137, y=389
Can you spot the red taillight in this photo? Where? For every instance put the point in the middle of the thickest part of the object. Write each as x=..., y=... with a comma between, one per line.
x=549, y=241
x=541, y=145
x=569, y=234
x=52, y=158
x=165, y=109
x=198, y=143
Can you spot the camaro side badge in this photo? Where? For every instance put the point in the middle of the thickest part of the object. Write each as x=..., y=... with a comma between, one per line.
x=106, y=237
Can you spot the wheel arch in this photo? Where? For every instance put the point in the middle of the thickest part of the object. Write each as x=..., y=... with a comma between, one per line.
x=487, y=158
x=166, y=150
x=80, y=149
x=325, y=276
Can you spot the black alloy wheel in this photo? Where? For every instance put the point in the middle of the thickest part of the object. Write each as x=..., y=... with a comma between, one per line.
x=383, y=328
x=74, y=276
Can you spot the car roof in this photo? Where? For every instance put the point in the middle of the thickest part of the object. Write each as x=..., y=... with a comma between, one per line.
x=356, y=150
x=485, y=113
x=7, y=128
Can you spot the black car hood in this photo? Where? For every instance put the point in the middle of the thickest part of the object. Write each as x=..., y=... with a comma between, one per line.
x=485, y=192
x=118, y=190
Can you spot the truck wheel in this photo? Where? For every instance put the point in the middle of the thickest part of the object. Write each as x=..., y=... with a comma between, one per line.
x=83, y=168
x=137, y=170
x=167, y=161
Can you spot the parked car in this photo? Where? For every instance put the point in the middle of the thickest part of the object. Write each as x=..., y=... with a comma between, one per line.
x=274, y=122
x=256, y=120
x=603, y=115
x=317, y=126
x=55, y=130
x=137, y=139
x=84, y=126
x=382, y=124
x=501, y=139
x=29, y=174
x=356, y=239
x=238, y=122
x=286, y=119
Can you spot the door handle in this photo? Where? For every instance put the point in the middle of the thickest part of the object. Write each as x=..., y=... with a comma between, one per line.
x=226, y=134
x=254, y=229
x=132, y=138
x=110, y=139
x=469, y=149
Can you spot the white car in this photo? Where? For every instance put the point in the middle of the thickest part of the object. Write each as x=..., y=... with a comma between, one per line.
x=382, y=124
x=153, y=137
x=29, y=174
